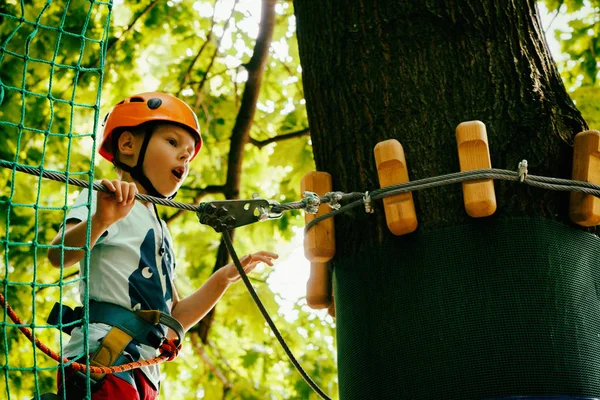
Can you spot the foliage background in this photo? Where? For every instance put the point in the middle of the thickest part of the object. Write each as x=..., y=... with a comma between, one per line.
x=196, y=50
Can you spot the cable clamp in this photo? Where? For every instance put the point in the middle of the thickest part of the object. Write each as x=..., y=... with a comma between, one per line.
x=311, y=201
x=522, y=170
x=334, y=199
x=368, y=205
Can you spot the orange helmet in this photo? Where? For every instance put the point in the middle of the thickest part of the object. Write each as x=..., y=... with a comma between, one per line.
x=147, y=107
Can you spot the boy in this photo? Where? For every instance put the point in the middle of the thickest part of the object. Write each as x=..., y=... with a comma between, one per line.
x=150, y=138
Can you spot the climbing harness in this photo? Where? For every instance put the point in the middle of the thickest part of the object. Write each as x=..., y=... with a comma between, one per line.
x=128, y=328
x=168, y=349
x=226, y=215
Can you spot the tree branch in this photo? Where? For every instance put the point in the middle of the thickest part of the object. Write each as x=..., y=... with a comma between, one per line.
x=213, y=75
x=145, y=11
x=286, y=136
x=216, y=349
x=111, y=43
x=221, y=260
x=560, y=4
x=213, y=368
x=212, y=189
x=241, y=130
x=212, y=60
x=209, y=37
x=289, y=71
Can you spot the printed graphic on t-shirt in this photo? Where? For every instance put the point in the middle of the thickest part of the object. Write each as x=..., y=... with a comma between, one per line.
x=126, y=269
x=149, y=288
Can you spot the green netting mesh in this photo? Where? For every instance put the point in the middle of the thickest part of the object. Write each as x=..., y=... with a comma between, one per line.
x=51, y=70
x=485, y=310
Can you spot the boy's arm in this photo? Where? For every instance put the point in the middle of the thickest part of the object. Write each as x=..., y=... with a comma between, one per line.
x=190, y=310
x=75, y=235
x=111, y=207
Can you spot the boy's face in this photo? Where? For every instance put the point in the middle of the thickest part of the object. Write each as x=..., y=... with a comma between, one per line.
x=167, y=158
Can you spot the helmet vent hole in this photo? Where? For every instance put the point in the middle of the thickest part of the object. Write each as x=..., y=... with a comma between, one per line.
x=121, y=102
x=136, y=100
x=154, y=103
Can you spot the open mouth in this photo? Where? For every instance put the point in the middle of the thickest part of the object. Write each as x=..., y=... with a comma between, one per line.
x=178, y=173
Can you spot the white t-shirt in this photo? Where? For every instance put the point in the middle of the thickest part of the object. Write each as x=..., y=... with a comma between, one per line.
x=126, y=269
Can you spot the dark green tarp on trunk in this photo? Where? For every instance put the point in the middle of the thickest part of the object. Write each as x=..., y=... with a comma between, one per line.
x=493, y=308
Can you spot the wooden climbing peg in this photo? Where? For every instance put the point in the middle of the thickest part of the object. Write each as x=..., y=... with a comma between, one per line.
x=584, y=209
x=318, y=289
x=319, y=243
x=400, y=212
x=474, y=153
x=331, y=308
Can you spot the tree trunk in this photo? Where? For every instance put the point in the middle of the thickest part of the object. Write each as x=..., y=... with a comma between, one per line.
x=241, y=133
x=414, y=70
x=462, y=308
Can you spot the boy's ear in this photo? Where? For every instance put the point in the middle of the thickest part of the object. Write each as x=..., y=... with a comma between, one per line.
x=126, y=143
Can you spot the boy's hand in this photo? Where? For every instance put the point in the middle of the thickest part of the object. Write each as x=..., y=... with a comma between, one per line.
x=112, y=207
x=249, y=262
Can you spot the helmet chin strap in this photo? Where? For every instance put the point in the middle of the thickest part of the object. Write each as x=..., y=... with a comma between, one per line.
x=137, y=172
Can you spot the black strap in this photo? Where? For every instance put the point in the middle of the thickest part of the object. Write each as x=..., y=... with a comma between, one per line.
x=137, y=172
x=47, y=396
x=65, y=317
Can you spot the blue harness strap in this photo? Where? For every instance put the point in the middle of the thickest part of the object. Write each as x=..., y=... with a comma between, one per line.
x=148, y=327
x=145, y=326
x=141, y=330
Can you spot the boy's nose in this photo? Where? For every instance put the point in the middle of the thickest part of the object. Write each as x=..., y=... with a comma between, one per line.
x=186, y=153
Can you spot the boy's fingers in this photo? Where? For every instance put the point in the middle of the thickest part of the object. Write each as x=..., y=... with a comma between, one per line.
x=266, y=260
x=124, y=193
x=118, y=193
x=108, y=184
x=267, y=254
x=251, y=260
x=250, y=267
x=132, y=192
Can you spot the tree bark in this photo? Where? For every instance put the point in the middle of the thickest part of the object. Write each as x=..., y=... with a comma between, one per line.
x=413, y=71
x=463, y=308
x=245, y=117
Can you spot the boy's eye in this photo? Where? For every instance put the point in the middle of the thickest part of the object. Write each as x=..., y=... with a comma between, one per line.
x=172, y=142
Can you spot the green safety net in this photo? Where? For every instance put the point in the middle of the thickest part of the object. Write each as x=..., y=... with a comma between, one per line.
x=51, y=71
x=487, y=310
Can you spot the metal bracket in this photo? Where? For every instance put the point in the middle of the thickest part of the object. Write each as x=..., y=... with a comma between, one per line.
x=230, y=214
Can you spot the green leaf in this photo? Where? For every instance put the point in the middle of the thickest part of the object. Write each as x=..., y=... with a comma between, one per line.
x=250, y=359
